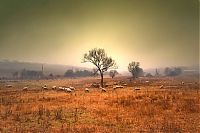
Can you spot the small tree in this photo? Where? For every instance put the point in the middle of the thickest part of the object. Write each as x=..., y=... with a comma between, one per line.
x=99, y=58
x=113, y=73
x=135, y=70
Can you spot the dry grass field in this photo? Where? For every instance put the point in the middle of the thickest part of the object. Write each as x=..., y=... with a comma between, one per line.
x=173, y=108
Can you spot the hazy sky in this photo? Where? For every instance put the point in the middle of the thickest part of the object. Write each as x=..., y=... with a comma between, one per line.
x=156, y=33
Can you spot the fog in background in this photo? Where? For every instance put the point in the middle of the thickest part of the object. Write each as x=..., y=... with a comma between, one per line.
x=156, y=33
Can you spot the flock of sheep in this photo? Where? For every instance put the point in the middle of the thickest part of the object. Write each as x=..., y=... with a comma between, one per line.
x=71, y=88
x=87, y=90
x=66, y=89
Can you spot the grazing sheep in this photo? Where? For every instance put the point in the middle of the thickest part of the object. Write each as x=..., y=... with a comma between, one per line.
x=72, y=88
x=60, y=88
x=25, y=89
x=45, y=87
x=119, y=86
x=161, y=87
x=68, y=90
x=63, y=88
x=124, y=84
x=147, y=81
x=103, y=90
x=182, y=83
x=9, y=86
x=137, y=89
x=53, y=87
x=87, y=90
x=115, y=83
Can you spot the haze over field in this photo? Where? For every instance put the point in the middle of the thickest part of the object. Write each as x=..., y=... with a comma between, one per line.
x=156, y=33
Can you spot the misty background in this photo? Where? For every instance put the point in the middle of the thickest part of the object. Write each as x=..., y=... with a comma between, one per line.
x=156, y=33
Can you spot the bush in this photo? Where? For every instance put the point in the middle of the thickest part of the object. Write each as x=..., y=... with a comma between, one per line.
x=172, y=71
x=78, y=73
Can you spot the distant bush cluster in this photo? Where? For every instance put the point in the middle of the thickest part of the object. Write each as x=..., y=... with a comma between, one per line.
x=172, y=71
x=113, y=73
x=78, y=73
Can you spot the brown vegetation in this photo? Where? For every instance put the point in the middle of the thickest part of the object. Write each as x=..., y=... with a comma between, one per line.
x=149, y=109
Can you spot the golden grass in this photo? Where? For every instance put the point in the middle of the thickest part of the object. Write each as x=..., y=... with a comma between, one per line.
x=123, y=110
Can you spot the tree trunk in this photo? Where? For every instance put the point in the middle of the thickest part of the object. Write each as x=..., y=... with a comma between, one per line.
x=101, y=79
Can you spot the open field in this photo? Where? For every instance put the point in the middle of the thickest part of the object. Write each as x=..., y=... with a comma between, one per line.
x=175, y=107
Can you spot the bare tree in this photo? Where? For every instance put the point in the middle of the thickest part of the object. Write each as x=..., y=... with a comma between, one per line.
x=113, y=73
x=99, y=58
x=135, y=70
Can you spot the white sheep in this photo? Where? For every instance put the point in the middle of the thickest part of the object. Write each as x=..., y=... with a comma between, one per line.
x=72, y=88
x=87, y=90
x=137, y=89
x=103, y=90
x=119, y=86
x=9, y=86
x=45, y=87
x=60, y=88
x=68, y=90
x=115, y=83
x=25, y=89
x=53, y=87
x=124, y=84
x=114, y=87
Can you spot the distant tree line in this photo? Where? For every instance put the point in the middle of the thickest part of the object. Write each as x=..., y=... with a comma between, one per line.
x=78, y=73
x=136, y=71
x=172, y=71
x=28, y=74
x=102, y=63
